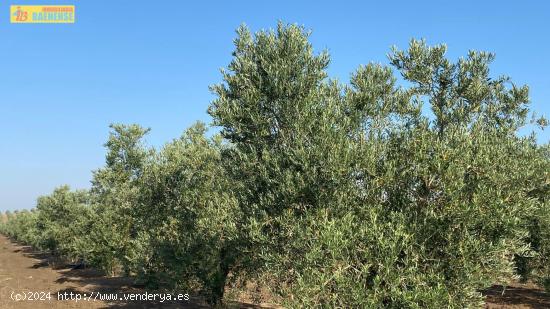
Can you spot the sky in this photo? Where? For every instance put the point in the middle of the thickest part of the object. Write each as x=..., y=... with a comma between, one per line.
x=151, y=63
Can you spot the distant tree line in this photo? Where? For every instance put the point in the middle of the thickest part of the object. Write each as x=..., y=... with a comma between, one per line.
x=407, y=190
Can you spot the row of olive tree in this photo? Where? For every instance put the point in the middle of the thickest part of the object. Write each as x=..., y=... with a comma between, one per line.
x=333, y=195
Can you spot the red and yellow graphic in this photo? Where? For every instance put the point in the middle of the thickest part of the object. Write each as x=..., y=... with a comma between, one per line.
x=38, y=14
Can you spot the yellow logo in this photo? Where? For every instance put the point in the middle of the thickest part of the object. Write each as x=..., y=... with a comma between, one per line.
x=42, y=14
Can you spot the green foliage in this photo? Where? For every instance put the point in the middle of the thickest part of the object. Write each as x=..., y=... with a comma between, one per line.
x=188, y=212
x=115, y=191
x=57, y=223
x=342, y=196
x=537, y=265
x=21, y=226
x=357, y=199
x=60, y=217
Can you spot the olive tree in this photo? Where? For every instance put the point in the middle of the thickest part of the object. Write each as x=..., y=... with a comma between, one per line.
x=188, y=212
x=355, y=197
x=61, y=217
x=113, y=196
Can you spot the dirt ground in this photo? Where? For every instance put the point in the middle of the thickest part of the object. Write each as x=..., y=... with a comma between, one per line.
x=24, y=273
x=517, y=296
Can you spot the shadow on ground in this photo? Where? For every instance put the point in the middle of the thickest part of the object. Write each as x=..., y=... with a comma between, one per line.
x=67, y=279
x=517, y=296
x=89, y=282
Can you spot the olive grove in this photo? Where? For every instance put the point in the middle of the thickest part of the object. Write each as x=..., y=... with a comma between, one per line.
x=408, y=187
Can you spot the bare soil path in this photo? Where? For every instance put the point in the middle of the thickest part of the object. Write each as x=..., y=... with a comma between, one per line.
x=24, y=273
x=517, y=296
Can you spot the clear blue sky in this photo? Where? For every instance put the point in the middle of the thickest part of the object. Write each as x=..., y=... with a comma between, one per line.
x=151, y=63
